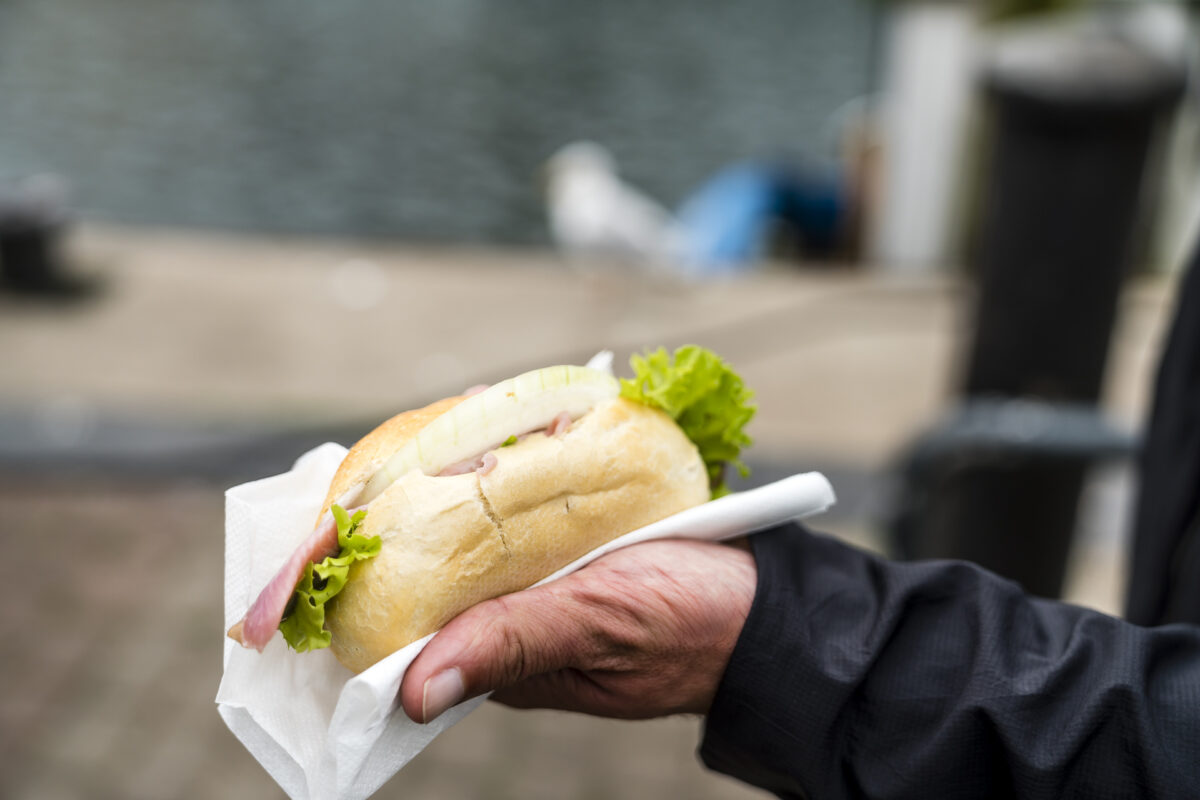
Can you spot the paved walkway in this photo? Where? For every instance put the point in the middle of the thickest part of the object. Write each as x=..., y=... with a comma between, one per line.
x=220, y=328
x=112, y=614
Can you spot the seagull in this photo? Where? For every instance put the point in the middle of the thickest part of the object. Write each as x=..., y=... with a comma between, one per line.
x=724, y=227
x=594, y=215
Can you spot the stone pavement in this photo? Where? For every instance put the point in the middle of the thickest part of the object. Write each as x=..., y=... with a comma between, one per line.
x=221, y=329
x=112, y=611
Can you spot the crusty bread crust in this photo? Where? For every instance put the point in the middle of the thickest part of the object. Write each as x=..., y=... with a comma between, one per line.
x=452, y=542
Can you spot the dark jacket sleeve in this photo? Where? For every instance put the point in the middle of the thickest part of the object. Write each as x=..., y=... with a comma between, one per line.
x=859, y=677
x=1164, y=578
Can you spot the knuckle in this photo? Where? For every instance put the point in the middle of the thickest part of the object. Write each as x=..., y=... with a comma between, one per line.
x=515, y=661
x=505, y=644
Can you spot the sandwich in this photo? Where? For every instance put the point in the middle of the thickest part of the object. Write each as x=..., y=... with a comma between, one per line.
x=480, y=495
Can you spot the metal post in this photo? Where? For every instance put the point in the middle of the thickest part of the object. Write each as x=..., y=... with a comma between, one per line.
x=1073, y=120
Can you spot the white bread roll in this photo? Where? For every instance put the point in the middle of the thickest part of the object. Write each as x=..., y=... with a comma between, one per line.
x=451, y=542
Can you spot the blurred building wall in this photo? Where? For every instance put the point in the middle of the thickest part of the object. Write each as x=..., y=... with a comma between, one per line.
x=408, y=119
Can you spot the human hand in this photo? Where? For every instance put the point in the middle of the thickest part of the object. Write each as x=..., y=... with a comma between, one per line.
x=642, y=632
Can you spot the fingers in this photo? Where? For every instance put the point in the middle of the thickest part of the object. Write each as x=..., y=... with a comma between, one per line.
x=496, y=644
x=641, y=632
x=566, y=690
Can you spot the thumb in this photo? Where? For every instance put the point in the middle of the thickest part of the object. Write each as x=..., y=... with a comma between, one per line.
x=494, y=645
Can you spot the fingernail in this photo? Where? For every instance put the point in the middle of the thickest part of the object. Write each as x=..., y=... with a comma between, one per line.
x=442, y=691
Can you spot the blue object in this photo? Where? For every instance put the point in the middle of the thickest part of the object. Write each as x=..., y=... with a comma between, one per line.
x=727, y=222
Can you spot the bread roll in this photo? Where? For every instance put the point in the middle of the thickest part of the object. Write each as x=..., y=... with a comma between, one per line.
x=451, y=542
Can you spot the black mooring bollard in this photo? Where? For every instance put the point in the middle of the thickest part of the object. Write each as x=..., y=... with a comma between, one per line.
x=33, y=217
x=1072, y=125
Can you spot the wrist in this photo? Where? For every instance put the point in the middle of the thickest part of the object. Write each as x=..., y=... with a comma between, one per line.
x=738, y=583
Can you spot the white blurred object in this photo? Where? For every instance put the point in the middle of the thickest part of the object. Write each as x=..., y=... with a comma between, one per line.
x=929, y=73
x=602, y=361
x=594, y=215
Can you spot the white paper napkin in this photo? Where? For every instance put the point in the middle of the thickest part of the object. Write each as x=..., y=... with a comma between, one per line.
x=323, y=732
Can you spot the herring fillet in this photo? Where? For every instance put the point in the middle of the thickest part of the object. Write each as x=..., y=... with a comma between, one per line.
x=262, y=620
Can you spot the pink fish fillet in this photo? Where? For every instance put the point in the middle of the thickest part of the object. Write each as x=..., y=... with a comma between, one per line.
x=262, y=620
x=484, y=463
x=559, y=424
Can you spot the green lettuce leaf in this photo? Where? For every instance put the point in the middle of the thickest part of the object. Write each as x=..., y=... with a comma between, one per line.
x=304, y=625
x=704, y=396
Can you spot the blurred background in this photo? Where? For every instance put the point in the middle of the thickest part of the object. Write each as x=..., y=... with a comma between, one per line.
x=939, y=239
